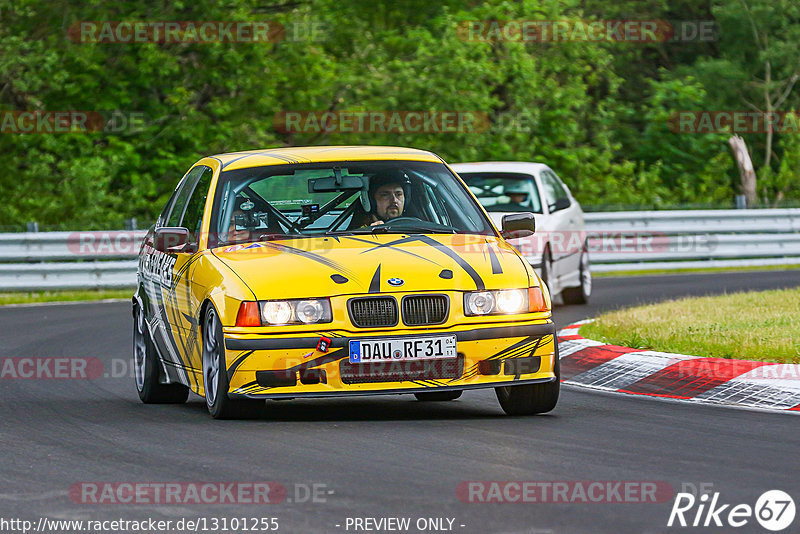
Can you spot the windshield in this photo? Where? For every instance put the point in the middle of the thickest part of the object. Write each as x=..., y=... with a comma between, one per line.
x=504, y=191
x=290, y=201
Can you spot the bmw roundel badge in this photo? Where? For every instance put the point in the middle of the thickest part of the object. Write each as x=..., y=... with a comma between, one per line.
x=396, y=282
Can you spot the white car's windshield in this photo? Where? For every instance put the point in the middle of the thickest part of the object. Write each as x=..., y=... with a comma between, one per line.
x=280, y=201
x=504, y=191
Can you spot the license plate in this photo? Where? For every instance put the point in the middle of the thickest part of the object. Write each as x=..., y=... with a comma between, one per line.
x=402, y=348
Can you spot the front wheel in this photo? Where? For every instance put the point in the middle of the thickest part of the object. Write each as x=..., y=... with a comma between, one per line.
x=546, y=269
x=438, y=396
x=581, y=293
x=215, y=374
x=146, y=368
x=531, y=399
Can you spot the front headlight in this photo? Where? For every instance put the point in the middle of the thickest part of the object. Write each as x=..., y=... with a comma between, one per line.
x=296, y=311
x=310, y=311
x=512, y=301
x=277, y=312
x=479, y=303
x=504, y=301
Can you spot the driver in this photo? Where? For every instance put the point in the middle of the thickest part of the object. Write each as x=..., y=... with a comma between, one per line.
x=517, y=194
x=388, y=194
x=238, y=233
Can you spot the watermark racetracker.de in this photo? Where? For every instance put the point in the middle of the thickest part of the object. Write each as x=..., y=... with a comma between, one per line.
x=734, y=122
x=381, y=121
x=195, y=31
x=198, y=492
x=556, y=31
x=564, y=491
x=71, y=122
x=52, y=368
x=559, y=242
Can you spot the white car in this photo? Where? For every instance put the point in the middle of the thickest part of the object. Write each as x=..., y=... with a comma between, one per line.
x=558, y=250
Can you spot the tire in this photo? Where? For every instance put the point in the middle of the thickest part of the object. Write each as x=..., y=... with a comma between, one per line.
x=215, y=375
x=438, y=396
x=147, y=371
x=531, y=399
x=580, y=294
x=546, y=268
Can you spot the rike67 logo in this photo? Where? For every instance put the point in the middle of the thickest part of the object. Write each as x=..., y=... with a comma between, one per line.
x=774, y=510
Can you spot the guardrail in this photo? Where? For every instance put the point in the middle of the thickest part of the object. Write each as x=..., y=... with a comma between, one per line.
x=33, y=261
x=69, y=246
x=83, y=275
x=699, y=221
x=618, y=241
x=668, y=240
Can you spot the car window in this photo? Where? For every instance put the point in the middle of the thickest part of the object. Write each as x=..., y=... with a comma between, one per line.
x=181, y=196
x=162, y=219
x=193, y=216
x=555, y=192
x=435, y=209
x=504, y=191
x=272, y=202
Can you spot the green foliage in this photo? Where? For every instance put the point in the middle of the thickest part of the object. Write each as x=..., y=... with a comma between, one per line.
x=598, y=112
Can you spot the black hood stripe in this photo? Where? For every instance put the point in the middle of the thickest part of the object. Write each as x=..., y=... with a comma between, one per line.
x=389, y=245
x=496, y=267
x=446, y=250
x=336, y=266
x=458, y=259
x=375, y=284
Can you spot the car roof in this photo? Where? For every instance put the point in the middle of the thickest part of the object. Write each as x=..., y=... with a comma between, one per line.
x=499, y=166
x=318, y=154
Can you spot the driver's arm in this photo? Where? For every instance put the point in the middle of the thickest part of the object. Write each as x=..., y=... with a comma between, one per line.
x=370, y=220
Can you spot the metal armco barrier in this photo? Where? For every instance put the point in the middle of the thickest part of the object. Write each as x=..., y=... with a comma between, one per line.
x=666, y=240
x=84, y=275
x=618, y=241
x=69, y=260
x=70, y=246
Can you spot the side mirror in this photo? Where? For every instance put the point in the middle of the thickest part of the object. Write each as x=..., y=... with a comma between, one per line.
x=170, y=238
x=517, y=225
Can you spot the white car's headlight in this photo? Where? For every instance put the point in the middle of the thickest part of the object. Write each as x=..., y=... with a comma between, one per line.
x=504, y=301
x=296, y=311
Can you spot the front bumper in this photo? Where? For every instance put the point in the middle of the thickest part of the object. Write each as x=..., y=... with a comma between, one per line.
x=282, y=366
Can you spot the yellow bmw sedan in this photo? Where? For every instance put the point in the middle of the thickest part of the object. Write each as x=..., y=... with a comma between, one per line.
x=336, y=271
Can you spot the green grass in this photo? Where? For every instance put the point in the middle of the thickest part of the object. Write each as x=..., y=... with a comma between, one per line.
x=64, y=296
x=762, y=326
x=697, y=270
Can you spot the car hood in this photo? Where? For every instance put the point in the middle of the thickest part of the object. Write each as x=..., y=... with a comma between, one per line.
x=342, y=265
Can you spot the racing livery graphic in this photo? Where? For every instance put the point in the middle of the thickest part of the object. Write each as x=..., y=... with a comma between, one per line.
x=333, y=271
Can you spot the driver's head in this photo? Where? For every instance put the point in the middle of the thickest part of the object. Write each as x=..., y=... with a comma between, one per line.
x=390, y=200
x=238, y=232
x=389, y=192
x=517, y=193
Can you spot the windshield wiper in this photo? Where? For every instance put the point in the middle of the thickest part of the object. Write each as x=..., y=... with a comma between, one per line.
x=378, y=229
x=388, y=229
x=427, y=230
x=273, y=237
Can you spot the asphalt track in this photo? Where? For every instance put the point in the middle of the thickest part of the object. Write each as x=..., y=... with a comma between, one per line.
x=382, y=456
